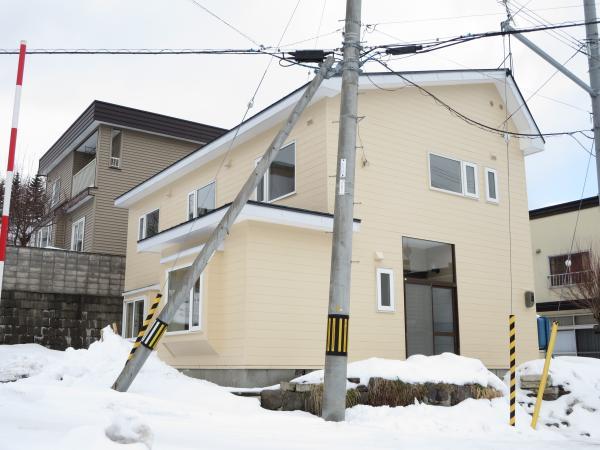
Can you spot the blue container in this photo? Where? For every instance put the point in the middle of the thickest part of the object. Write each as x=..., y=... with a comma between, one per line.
x=543, y=327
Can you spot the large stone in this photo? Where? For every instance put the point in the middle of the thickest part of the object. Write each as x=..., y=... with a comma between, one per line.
x=271, y=399
x=293, y=401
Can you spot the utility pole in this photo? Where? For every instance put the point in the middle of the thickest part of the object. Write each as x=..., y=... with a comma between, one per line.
x=336, y=353
x=593, y=89
x=154, y=333
x=591, y=34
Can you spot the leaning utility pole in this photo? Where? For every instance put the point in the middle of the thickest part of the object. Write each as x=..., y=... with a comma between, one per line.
x=591, y=34
x=593, y=89
x=336, y=352
x=154, y=333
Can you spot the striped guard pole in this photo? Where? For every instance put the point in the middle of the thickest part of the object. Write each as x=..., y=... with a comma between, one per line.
x=144, y=327
x=11, y=162
x=513, y=366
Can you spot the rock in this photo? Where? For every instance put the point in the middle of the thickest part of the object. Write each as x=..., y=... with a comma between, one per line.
x=535, y=379
x=293, y=401
x=271, y=399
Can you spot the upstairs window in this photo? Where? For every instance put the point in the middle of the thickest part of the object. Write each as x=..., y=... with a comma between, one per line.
x=115, y=148
x=565, y=270
x=55, y=192
x=77, y=235
x=452, y=175
x=491, y=185
x=148, y=225
x=280, y=179
x=188, y=316
x=201, y=201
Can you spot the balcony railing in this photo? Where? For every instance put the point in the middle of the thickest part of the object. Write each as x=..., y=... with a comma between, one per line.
x=85, y=178
x=568, y=279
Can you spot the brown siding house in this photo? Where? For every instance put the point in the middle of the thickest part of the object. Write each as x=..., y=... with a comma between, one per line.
x=108, y=150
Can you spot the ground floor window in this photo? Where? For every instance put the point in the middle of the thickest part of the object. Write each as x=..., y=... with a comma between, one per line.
x=133, y=317
x=43, y=237
x=429, y=297
x=188, y=316
x=576, y=336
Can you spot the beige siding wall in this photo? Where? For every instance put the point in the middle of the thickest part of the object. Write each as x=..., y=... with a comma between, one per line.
x=311, y=192
x=552, y=236
x=142, y=156
x=278, y=276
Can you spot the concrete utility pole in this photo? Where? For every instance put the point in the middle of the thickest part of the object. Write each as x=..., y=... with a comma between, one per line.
x=159, y=327
x=336, y=353
x=591, y=31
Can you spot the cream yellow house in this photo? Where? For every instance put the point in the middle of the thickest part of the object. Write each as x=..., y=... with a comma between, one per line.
x=441, y=233
x=564, y=237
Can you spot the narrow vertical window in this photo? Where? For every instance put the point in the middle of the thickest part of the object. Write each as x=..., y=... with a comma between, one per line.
x=470, y=179
x=191, y=206
x=385, y=290
x=188, y=316
x=115, y=148
x=55, y=192
x=491, y=185
x=133, y=317
x=77, y=234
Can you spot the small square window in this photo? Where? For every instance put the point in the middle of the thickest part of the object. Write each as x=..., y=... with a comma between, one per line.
x=280, y=179
x=148, y=225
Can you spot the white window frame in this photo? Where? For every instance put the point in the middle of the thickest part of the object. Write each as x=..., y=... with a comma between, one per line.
x=194, y=194
x=463, y=176
x=143, y=219
x=55, y=192
x=487, y=185
x=144, y=299
x=464, y=165
x=115, y=161
x=39, y=235
x=380, y=307
x=74, y=225
x=266, y=178
x=200, y=306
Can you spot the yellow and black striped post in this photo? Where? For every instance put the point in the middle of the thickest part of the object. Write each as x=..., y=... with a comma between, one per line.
x=513, y=360
x=144, y=326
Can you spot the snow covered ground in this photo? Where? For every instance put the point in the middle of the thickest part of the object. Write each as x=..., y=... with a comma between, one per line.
x=66, y=403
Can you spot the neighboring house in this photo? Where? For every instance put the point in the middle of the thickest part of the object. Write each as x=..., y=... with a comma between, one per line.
x=555, y=242
x=105, y=152
x=431, y=268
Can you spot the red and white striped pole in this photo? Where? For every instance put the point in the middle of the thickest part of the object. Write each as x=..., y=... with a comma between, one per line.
x=11, y=162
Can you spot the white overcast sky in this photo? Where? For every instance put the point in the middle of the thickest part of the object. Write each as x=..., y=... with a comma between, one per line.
x=216, y=89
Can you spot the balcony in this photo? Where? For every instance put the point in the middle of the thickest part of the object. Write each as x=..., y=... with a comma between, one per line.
x=84, y=179
x=568, y=279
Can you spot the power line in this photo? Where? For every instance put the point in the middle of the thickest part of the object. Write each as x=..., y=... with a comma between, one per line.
x=237, y=30
x=474, y=122
x=436, y=19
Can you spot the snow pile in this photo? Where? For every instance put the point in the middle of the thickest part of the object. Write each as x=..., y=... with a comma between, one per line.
x=576, y=413
x=66, y=403
x=445, y=368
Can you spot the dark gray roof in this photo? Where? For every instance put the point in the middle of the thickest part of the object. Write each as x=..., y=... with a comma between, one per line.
x=126, y=117
x=562, y=208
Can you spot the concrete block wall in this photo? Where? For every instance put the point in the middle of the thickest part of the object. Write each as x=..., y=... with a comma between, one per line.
x=59, y=298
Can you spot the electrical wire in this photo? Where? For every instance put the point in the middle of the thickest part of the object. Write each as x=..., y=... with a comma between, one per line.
x=237, y=30
x=474, y=122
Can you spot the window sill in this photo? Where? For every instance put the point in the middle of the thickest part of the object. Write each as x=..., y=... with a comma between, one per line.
x=184, y=332
x=282, y=197
x=457, y=194
x=115, y=168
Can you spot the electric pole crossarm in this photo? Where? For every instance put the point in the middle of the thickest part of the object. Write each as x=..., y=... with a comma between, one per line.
x=130, y=370
x=557, y=65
